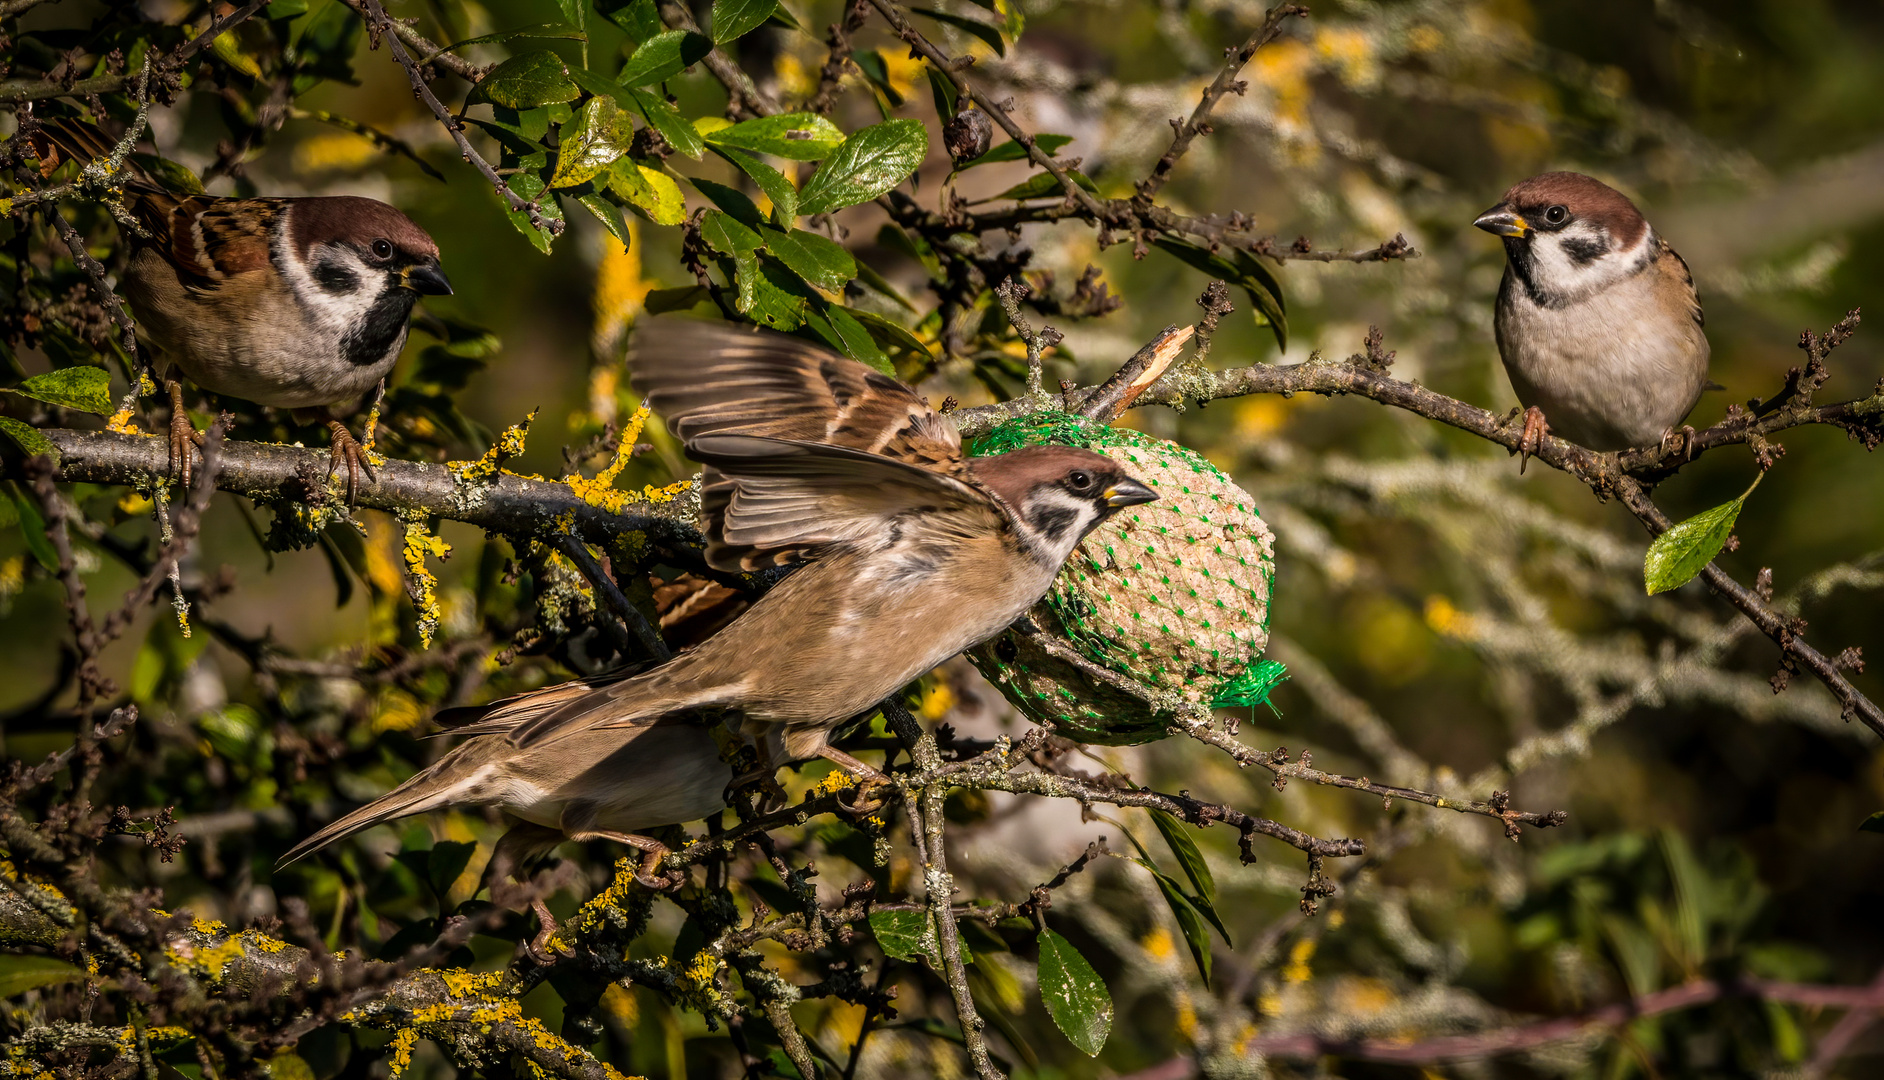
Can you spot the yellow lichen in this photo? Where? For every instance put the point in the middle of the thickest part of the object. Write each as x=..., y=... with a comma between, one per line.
x=399, y=1057
x=121, y=422
x=485, y=469
x=206, y=926
x=262, y=941
x=421, y=583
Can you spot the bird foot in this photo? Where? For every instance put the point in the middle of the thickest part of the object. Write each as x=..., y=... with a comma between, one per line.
x=348, y=449
x=184, y=438
x=867, y=779
x=1683, y=437
x=1532, y=438
x=650, y=874
x=539, y=946
x=772, y=795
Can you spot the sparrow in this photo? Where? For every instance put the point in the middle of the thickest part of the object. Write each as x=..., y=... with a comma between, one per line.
x=600, y=784
x=906, y=551
x=299, y=303
x=1598, y=322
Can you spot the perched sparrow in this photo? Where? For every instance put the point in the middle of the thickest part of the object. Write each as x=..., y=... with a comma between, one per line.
x=299, y=303
x=912, y=552
x=1598, y=321
x=599, y=784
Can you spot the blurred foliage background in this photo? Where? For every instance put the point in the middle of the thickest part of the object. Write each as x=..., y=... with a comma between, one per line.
x=1448, y=624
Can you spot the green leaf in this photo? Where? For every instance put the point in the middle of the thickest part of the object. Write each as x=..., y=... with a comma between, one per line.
x=1238, y=268
x=610, y=216
x=795, y=136
x=822, y=262
x=899, y=933
x=445, y=862
x=20, y=973
x=988, y=34
x=1677, y=556
x=889, y=334
x=649, y=190
x=869, y=163
x=1190, y=921
x=599, y=136
x=942, y=88
x=1042, y=185
x=896, y=238
x=1189, y=858
x=868, y=275
x=537, y=30
x=1013, y=151
x=839, y=328
x=527, y=186
x=728, y=235
x=640, y=18
x=730, y=200
x=28, y=438
x=1074, y=994
x=734, y=19
x=769, y=180
x=870, y=62
x=87, y=389
x=1874, y=823
x=778, y=297
x=663, y=117
x=664, y=56
x=283, y=9
x=525, y=81
x=32, y=525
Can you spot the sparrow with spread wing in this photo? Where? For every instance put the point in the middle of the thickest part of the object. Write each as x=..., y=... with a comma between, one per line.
x=911, y=551
x=300, y=303
x=1597, y=319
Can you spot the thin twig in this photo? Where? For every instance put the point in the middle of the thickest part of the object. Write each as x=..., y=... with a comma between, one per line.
x=577, y=552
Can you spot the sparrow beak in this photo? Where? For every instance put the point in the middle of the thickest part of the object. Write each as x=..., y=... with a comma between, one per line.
x=1501, y=220
x=426, y=279
x=1128, y=493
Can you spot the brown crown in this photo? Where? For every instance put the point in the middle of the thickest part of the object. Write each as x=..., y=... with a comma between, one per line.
x=351, y=219
x=1584, y=196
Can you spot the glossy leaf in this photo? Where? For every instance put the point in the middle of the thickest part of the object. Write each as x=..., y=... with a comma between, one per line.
x=1013, y=151
x=796, y=136
x=890, y=335
x=640, y=18
x=942, y=89
x=733, y=19
x=779, y=298
x=87, y=389
x=1190, y=921
x=820, y=261
x=675, y=128
x=1238, y=268
x=728, y=235
x=1074, y=994
x=529, y=185
x=843, y=332
x=869, y=163
x=1677, y=556
x=664, y=56
x=525, y=81
x=1874, y=823
x=648, y=190
x=610, y=216
x=989, y=36
x=1042, y=185
x=870, y=62
x=32, y=523
x=599, y=136
x=28, y=438
x=869, y=276
x=20, y=973
x=779, y=190
x=731, y=200
x=1190, y=860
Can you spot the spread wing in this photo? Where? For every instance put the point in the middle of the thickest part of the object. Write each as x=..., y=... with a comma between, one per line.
x=804, y=449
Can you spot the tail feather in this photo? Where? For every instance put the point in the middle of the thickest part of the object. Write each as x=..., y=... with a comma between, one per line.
x=428, y=789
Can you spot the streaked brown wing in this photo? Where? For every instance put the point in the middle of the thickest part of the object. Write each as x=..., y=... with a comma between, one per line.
x=710, y=378
x=773, y=502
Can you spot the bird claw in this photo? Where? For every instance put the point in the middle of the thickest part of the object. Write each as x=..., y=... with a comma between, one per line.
x=184, y=438
x=864, y=803
x=650, y=874
x=348, y=449
x=1532, y=438
x=1684, y=435
x=772, y=794
x=539, y=946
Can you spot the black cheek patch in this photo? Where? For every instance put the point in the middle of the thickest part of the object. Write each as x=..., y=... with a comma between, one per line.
x=385, y=321
x=1585, y=252
x=1054, y=521
x=334, y=278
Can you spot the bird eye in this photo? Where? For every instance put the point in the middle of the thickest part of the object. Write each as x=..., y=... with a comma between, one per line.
x=382, y=249
x=1079, y=480
x=1556, y=215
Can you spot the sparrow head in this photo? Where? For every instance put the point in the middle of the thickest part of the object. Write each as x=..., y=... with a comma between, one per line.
x=1058, y=494
x=359, y=265
x=1568, y=235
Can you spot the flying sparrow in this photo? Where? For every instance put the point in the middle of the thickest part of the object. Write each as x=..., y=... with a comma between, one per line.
x=1598, y=321
x=299, y=303
x=912, y=552
x=598, y=784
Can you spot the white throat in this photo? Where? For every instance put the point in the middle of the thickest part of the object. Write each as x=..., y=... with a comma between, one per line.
x=1582, y=259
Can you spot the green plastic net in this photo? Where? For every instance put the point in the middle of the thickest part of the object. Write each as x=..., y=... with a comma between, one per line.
x=1174, y=595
